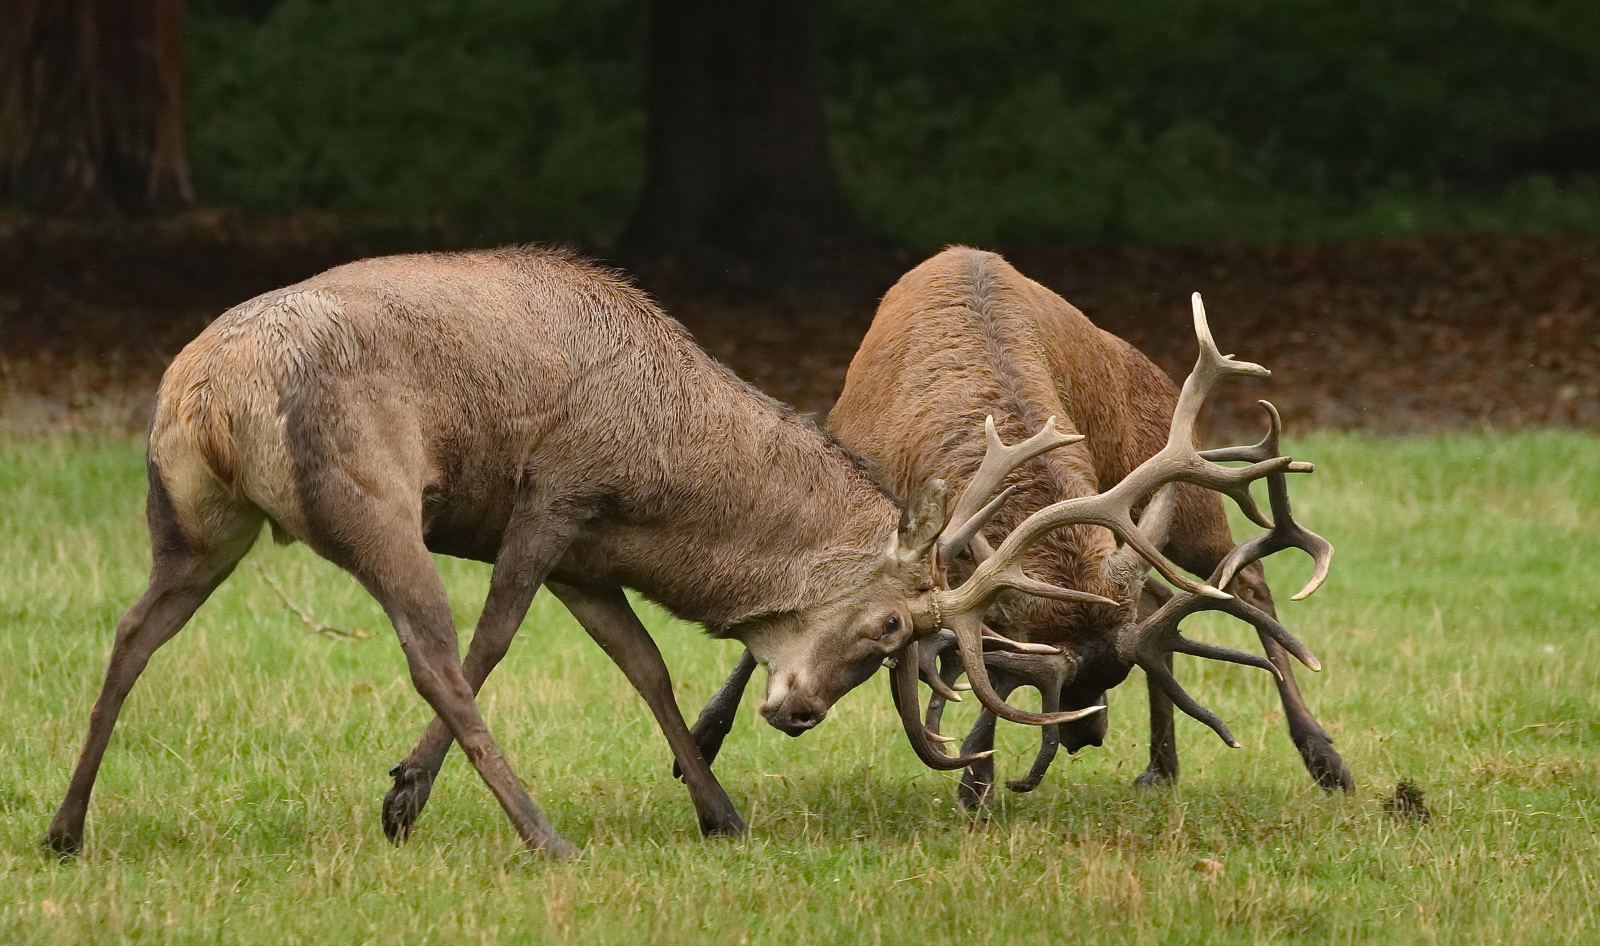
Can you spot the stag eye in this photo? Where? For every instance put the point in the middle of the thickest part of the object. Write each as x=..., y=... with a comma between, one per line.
x=891, y=624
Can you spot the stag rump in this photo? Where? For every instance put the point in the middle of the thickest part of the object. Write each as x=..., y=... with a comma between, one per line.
x=964, y=336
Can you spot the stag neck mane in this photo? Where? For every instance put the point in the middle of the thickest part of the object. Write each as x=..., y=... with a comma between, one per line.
x=772, y=536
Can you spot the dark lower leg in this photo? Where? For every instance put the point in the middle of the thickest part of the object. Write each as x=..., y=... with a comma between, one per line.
x=440, y=680
x=1324, y=763
x=613, y=625
x=415, y=774
x=716, y=719
x=977, y=782
x=1163, y=767
x=531, y=544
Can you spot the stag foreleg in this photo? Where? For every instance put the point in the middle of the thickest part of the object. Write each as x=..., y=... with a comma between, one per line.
x=977, y=782
x=1314, y=743
x=605, y=614
x=1163, y=766
x=716, y=718
x=530, y=549
x=400, y=573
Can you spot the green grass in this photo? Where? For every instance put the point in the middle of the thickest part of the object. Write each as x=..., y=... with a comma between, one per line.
x=238, y=803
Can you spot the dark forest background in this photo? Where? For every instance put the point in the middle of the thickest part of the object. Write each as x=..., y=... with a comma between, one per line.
x=962, y=120
x=1141, y=120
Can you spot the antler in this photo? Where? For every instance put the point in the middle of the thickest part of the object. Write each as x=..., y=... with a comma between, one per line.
x=1148, y=642
x=986, y=492
x=1285, y=532
x=1177, y=461
x=925, y=741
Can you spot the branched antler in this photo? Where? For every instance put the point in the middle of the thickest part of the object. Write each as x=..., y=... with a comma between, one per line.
x=1285, y=532
x=960, y=609
x=986, y=492
x=925, y=741
x=1148, y=642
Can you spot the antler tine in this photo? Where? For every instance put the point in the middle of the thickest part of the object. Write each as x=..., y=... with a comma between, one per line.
x=1264, y=449
x=1210, y=367
x=926, y=744
x=1147, y=643
x=1284, y=532
x=928, y=653
x=985, y=493
x=969, y=633
x=1047, y=674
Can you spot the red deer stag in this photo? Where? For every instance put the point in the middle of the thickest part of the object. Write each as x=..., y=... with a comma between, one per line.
x=523, y=408
x=965, y=336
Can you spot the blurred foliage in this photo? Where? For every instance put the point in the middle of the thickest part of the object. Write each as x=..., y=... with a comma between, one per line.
x=1141, y=120
x=491, y=117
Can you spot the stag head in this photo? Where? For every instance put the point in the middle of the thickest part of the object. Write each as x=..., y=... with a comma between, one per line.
x=879, y=606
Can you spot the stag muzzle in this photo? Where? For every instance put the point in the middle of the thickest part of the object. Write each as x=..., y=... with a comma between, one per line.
x=799, y=699
x=793, y=713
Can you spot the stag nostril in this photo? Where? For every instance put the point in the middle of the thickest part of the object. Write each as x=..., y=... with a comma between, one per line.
x=795, y=717
x=803, y=719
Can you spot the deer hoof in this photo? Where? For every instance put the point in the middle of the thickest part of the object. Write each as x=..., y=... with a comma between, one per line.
x=1325, y=765
x=405, y=800
x=1022, y=785
x=725, y=825
x=974, y=793
x=1155, y=778
x=63, y=845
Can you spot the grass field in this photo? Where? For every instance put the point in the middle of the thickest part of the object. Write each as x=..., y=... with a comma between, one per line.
x=239, y=800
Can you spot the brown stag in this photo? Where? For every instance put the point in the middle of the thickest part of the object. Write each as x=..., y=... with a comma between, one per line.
x=964, y=336
x=524, y=408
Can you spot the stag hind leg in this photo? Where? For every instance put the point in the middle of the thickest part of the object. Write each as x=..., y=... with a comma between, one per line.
x=605, y=614
x=1201, y=553
x=184, y=571
x=532, y=545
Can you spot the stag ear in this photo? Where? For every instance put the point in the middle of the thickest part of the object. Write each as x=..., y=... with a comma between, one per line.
x=920, y=523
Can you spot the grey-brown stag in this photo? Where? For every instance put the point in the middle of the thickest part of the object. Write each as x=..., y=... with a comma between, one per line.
x=964, y=336
x=524, y=408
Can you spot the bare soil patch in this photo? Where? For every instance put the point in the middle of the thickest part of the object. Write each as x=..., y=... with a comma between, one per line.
x=1462, y=332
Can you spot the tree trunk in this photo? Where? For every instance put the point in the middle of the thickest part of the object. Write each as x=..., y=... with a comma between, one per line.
x=739, y=186
x=91, y=106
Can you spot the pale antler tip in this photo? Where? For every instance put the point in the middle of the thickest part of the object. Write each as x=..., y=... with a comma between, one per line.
x=1201, y=328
